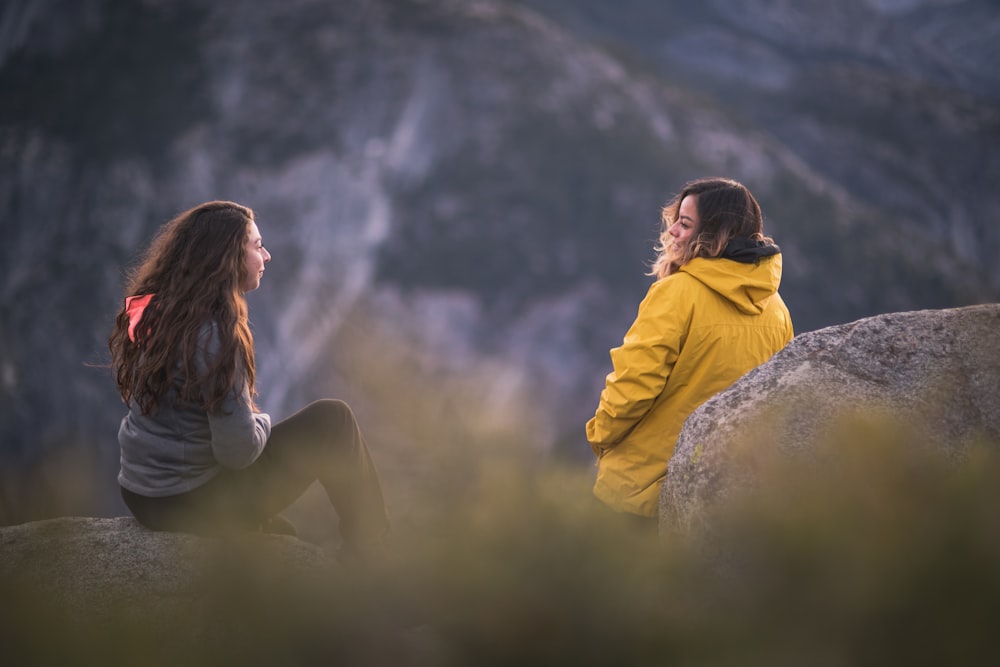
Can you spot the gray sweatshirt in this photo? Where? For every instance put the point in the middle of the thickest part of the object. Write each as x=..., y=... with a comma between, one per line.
x=180, y=446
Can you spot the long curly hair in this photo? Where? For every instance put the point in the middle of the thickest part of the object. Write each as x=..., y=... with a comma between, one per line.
x=726, y=209
x=193, y=268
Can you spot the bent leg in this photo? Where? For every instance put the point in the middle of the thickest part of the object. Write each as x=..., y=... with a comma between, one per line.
x=322, y=442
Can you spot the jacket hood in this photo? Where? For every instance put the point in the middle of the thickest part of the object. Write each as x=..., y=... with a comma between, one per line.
x=134, y=308
x=747, y=274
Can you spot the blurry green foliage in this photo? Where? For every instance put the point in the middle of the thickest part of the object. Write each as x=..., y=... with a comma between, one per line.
x=878, y=550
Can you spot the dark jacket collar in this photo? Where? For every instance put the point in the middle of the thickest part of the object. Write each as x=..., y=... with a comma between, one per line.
x=748, y=251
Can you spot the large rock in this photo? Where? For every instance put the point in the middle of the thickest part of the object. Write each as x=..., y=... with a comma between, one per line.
x=93, y=564
x=936, y=372
x=110, y=587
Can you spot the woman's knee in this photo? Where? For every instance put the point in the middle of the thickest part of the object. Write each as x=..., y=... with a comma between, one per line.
x=332, y=410
x=336, y=416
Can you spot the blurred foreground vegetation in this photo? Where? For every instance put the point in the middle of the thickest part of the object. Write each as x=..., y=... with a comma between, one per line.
x=887, y=552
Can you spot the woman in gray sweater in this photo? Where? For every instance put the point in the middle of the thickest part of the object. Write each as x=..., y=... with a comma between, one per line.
x=196, y=453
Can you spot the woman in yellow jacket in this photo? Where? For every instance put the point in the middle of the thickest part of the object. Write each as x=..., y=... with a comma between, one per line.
x=713, y=314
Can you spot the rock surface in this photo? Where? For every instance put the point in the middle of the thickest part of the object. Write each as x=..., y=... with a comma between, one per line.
x=120, y=585
x=936, y=372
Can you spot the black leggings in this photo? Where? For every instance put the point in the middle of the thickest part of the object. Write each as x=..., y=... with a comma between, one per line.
x=321, y=442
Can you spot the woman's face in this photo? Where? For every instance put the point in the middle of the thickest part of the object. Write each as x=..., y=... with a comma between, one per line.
x=686, y=224
x=256, y=257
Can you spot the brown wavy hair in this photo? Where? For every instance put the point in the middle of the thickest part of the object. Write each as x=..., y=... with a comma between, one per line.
x=726, y=209
x=194, y=268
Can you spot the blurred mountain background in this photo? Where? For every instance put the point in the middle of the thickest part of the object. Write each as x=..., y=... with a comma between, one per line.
x=461, y=196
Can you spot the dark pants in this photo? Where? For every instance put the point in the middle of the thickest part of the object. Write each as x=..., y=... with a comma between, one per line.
x=321, y=442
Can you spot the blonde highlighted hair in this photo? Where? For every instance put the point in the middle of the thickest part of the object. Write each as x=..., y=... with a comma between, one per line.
x=726, y=209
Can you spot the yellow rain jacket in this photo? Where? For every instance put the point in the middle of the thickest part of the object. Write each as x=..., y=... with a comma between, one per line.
x=698, y=331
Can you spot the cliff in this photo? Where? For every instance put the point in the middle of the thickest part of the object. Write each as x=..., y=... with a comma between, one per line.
x=461, y=197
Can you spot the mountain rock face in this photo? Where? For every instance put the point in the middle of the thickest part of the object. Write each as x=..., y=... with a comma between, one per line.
x=461, y=198
x=897, y=103
x=932, y=374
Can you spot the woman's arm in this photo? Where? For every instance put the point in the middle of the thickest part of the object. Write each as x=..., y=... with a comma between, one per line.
x=238, y=433
x=641, y=366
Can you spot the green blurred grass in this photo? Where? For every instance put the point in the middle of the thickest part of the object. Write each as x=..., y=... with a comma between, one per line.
x=878, y=550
